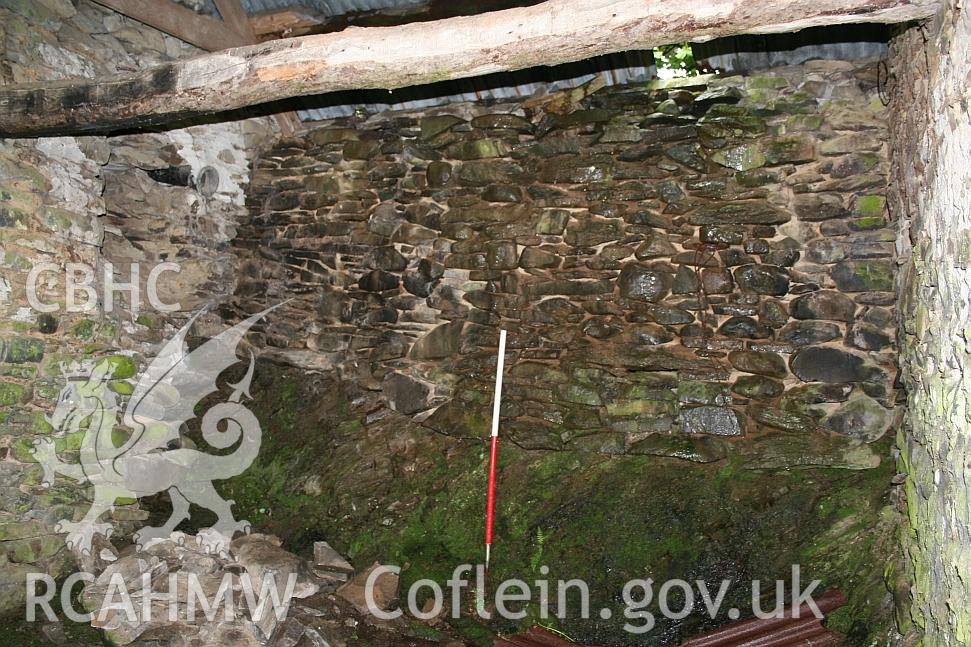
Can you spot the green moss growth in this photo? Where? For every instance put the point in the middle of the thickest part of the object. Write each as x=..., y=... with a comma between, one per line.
x=11, y=393
x=39, y=424
x=17, y=632
x=401, y=494
x=19, y=350
x=84, y=329
x=804, y=122
x=121, y=387
x=121, y=366
x=867, y=223
x=22, y=372
x=855, y=551
x=870, y=205
x=21, y=448
x=766, y=81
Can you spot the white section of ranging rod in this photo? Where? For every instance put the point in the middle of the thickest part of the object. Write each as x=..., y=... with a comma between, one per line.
x=498, y=396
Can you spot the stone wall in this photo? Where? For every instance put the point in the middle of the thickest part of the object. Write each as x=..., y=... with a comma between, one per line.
x=691, y=269
x=93, y=200
x=931, y=146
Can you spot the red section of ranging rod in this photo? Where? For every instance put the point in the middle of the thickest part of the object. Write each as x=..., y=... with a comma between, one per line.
x=494, y=449
x=491, y=494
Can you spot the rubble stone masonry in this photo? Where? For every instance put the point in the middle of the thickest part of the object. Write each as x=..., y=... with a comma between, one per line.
x=697, y=268
x=931, y=191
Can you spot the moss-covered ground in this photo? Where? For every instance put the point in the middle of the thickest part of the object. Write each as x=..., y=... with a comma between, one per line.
x=398, y=493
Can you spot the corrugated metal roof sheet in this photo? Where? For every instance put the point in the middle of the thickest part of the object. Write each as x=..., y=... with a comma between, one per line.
x=322, y=7
x=328, y=7
x=616, y=69
x=745, y=53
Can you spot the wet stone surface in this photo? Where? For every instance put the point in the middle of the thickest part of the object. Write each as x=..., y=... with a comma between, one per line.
x=722, y=236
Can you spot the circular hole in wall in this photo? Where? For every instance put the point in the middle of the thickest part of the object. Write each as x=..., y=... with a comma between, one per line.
x=207, y=181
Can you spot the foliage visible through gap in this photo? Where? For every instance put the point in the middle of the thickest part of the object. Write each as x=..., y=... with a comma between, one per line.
x=675, y=60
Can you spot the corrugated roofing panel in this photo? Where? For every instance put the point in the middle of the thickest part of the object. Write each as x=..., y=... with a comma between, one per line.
x=323, y=7
x=617, y=69
x=328, y=7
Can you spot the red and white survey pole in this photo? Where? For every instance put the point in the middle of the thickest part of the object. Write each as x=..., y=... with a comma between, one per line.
x=494, y=449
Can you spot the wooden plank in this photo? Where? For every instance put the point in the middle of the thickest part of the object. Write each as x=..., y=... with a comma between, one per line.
x=554, y=32
x=174, y=19
x=286, y=23
x=236, y=19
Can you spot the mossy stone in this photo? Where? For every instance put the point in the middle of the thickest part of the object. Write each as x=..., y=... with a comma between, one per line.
x=120, y=366
x=739, y=213
x=15, y=261
x=18, y=350
x=39, y=424
x=824, y=304
x=781, y=418
x=13, y=218
x=627, y=408
x=552, y=222
x=324, y=136
x=870, y=205
x=477, y=149
x=579, y=394
x=361, y=150
x=759, y=363
x=555, y=501
x=22, y=450
x=741, y=158
x=697, y=450
x=804, y=122
x=322, y=184
x=716, y=421
x=35, y=549
x=754, y=178
x=782, y=150
x=688, y=155
x=695, y=392
x=864, y=276
x=538, y=371
x=121, y=387
x=757, y=387
x=84, y=329
x=437, y=124
x=867, y=223
x=786, y=451
x=860, y=417
x=766, y=81
x=21, y=529
x=11, y=393
x=502, y=121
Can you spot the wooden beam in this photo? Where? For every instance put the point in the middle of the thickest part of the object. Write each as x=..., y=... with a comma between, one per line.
x=174, y=19
x=556, y=31
x=202, y=31
x=235, y=17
